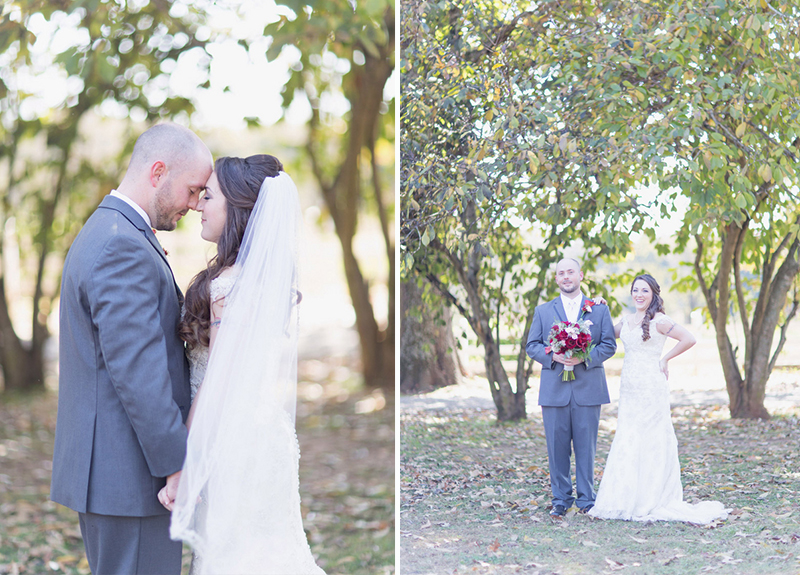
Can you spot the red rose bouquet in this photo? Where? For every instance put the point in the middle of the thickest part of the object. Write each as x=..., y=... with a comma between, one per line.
x=572, y=340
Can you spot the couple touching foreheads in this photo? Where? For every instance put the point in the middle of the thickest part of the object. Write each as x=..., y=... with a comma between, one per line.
x=641, y=480
x=142, y=429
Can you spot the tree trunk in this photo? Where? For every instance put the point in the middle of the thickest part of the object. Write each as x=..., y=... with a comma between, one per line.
x=428, y=356
x=377, y=346
x=510, y=404
x=343, y=198
x=746, y=394
x=751, y=403
x=22, y=366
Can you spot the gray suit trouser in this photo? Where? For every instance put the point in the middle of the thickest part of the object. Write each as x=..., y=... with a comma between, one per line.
x=566, y=427
x=130, y=545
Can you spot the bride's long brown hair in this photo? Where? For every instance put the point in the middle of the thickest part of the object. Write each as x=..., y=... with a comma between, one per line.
x=239, y=180
x=656, y=304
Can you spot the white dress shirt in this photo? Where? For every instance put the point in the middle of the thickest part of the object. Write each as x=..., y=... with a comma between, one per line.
x=572, y=306
x=132, y=204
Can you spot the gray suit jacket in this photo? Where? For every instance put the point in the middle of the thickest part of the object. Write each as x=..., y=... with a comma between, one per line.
x=123, y=391
x=589, y=386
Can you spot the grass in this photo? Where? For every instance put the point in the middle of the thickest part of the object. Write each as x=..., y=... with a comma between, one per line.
x=346, y=481
x=475, y=498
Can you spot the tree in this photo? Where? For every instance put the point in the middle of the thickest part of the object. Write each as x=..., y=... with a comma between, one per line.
x=118, y=57
x=349, y=53
x=496, y=177
x=737, y=166
x=701, y=100
x=698, y=100
x=428, y=351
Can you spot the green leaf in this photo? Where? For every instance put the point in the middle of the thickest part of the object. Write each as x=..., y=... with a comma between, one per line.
x=425, y=239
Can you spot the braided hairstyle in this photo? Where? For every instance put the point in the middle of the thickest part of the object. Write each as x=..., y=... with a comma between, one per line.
x=239, y=180
x=656, y=304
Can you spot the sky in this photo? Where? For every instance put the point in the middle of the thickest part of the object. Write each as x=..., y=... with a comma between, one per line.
x=242, y=83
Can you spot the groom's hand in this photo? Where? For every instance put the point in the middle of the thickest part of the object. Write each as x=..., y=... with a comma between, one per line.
x=560, y=358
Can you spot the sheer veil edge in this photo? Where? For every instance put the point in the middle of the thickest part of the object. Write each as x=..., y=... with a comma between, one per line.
x=238, y=502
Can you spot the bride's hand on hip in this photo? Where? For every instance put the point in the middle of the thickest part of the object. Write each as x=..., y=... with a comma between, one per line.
x=662, y=364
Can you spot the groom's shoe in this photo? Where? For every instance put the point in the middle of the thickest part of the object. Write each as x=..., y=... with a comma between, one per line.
x=586, y=509
x=558, y=512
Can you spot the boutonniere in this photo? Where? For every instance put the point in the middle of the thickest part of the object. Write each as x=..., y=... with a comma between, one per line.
x=166, y=253
x=587, y=307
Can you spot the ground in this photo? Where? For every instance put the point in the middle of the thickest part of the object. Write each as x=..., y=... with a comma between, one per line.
x=346, y=479
x=475, y=494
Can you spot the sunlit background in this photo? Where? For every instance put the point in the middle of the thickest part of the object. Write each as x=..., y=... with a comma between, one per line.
x=239, y=86
x=314, y=86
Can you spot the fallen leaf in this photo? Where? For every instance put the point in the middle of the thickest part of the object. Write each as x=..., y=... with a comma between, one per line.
x=672, y=559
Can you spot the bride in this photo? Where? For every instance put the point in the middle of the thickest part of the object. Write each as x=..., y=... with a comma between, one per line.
x=238, y=502
x=642, y=481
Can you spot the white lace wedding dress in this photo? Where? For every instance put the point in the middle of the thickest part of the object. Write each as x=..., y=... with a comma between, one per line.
x=296, y=557
x=642, y=477
x=198, y=356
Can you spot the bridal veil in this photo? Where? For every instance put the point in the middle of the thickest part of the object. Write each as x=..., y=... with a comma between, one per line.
x=238, y=503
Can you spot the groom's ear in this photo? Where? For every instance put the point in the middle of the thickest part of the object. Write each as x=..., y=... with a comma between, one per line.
x=157, y=171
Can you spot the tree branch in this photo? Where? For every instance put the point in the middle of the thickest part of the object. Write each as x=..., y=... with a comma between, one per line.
x=737, y=276
x=784, y=328
x=445, y=293
x=726, y=259
x=698, y=258
x=502, y=33
x=376, y=186
x=768, y=281
x=769, y=138
x=316, y=168
x=730, y=135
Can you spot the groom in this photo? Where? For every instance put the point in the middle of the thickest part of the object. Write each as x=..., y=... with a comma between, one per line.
x=123, y=392
x=571, y=409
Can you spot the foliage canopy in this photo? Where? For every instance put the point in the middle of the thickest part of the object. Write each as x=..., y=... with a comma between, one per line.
x=582, y=122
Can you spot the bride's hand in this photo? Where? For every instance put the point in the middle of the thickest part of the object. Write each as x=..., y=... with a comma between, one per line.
x=600, y=299
x=164, y=499
x=664, y=368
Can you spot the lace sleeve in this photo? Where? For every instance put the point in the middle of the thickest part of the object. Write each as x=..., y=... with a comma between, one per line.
x=665, y=320
x=221, y=287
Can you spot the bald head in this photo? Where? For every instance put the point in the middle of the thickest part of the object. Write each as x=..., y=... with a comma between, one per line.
x=570, y=262
x=172, y=144
x=167, y=173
